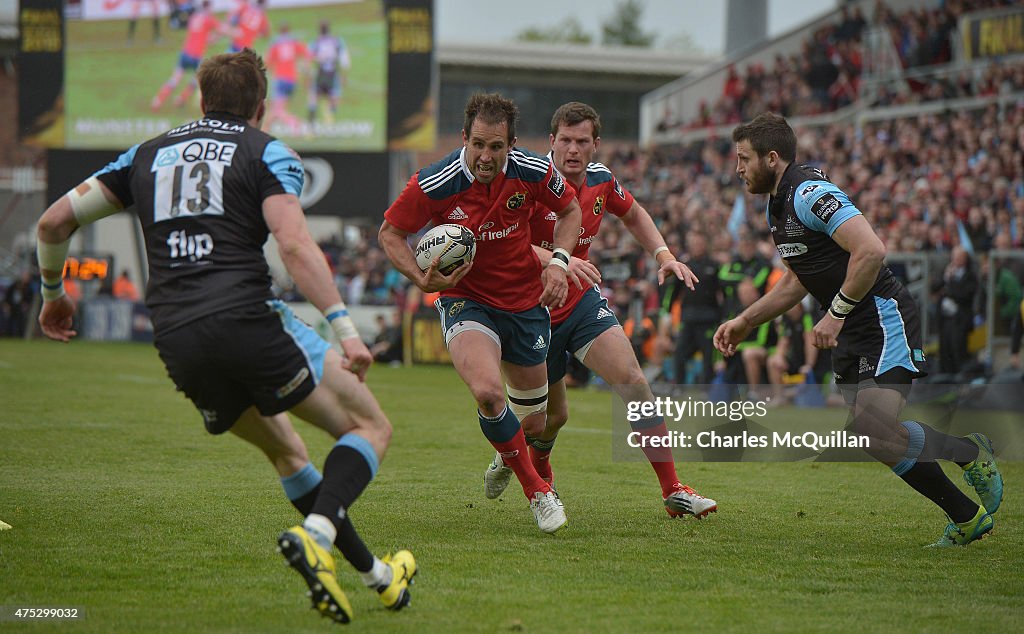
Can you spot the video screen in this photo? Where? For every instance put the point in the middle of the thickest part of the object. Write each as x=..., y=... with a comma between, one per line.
x=130, y=68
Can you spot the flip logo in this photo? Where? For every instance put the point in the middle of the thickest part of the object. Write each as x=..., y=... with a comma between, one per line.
x=194, y=247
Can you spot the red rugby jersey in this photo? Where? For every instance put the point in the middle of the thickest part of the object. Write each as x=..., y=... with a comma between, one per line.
x=506, y=271
x=600, y=192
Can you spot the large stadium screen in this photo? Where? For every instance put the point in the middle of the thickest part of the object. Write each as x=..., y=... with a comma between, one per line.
x=327, y=62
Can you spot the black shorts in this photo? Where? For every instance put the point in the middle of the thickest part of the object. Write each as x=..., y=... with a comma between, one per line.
x=327, y=84
x=258, y=355
x=880, y=346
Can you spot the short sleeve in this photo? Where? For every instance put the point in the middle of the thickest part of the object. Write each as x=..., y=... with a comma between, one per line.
x=117, y=176
x=555, y=192
x=283, y=173
x=822, y=206
x=618, y=201
x=411, y=211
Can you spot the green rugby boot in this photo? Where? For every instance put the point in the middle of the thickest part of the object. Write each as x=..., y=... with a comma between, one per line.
x=983, y=474
x=962, y=534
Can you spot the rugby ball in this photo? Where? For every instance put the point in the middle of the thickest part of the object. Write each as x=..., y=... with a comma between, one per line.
x=451, y=245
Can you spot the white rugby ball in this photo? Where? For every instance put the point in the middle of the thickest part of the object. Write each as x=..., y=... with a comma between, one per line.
x=453, y=245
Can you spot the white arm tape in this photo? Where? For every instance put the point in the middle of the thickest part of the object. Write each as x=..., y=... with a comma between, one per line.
x=51, y=259
x=88, y=202
x=337, y=317
x=560, y=258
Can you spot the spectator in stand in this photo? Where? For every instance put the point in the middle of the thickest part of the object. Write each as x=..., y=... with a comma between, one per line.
x=1009, y=297
x=18, y=304
x=956, y=311
x=124, y=288
x=387, y=345
x=699, y=310
x=754, y=351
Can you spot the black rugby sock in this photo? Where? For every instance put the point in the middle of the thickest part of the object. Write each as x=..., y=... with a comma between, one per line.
x=928, y=479
x=940, y=446
x=348, y=541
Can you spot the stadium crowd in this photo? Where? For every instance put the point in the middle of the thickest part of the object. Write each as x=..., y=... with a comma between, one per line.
x=825, y=74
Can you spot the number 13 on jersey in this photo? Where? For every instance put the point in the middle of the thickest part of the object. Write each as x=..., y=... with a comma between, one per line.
x=189, y=179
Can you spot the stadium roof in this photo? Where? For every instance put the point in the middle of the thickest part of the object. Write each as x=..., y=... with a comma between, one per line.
x=563, y=57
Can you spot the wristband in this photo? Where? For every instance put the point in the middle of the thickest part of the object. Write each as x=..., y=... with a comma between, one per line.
x=560, y=258
x=337, y=316
x=842, y=305
x=51, y=259
x=659, y=250
x=50, y=292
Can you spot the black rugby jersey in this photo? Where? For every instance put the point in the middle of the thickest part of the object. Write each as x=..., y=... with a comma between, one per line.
x=802, y=216
x=198, y=191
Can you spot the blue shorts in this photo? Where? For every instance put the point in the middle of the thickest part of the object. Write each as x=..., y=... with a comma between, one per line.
x=187, y=62
x=523, y=337
x=585, y=323
x=283, y=88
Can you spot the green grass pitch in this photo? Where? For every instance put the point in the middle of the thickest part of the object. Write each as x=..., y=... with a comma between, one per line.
x=122, y=505
x=109, y=82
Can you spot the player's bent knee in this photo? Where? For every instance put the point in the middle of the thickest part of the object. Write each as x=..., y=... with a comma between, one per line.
x=557, y=420
x=490, y=399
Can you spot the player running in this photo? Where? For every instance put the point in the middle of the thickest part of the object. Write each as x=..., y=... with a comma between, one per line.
x=832, y=252
x=493, y=310
x=286, y=60
x=207, y=195
x=248, y=24
x=331, y=65
x=203, y=27
x=585, y=326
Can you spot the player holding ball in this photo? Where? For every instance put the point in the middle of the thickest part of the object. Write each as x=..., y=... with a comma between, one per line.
x=494, y=309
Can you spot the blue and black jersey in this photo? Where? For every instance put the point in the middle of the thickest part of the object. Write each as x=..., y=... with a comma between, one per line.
x=198, y=191
x=802, y=216
x=882, y=335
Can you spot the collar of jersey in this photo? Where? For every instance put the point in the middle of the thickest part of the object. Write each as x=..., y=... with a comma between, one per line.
x=469, y=173
x=221, y=116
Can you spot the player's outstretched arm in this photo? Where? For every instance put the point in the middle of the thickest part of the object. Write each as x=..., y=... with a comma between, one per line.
x=86, y=203
x=307, y=265
x=641, y=225
x=783, y=296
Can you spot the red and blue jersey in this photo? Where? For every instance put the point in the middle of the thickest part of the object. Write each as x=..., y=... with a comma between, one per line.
x=506, y=271
x=251, y=23
x=200, y=26
x=283, y=56
x=600, y=192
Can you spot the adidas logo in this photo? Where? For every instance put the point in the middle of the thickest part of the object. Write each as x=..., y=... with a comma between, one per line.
x=458, y=214
x=603, y=312
x=541, y=344
x=552, y=216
